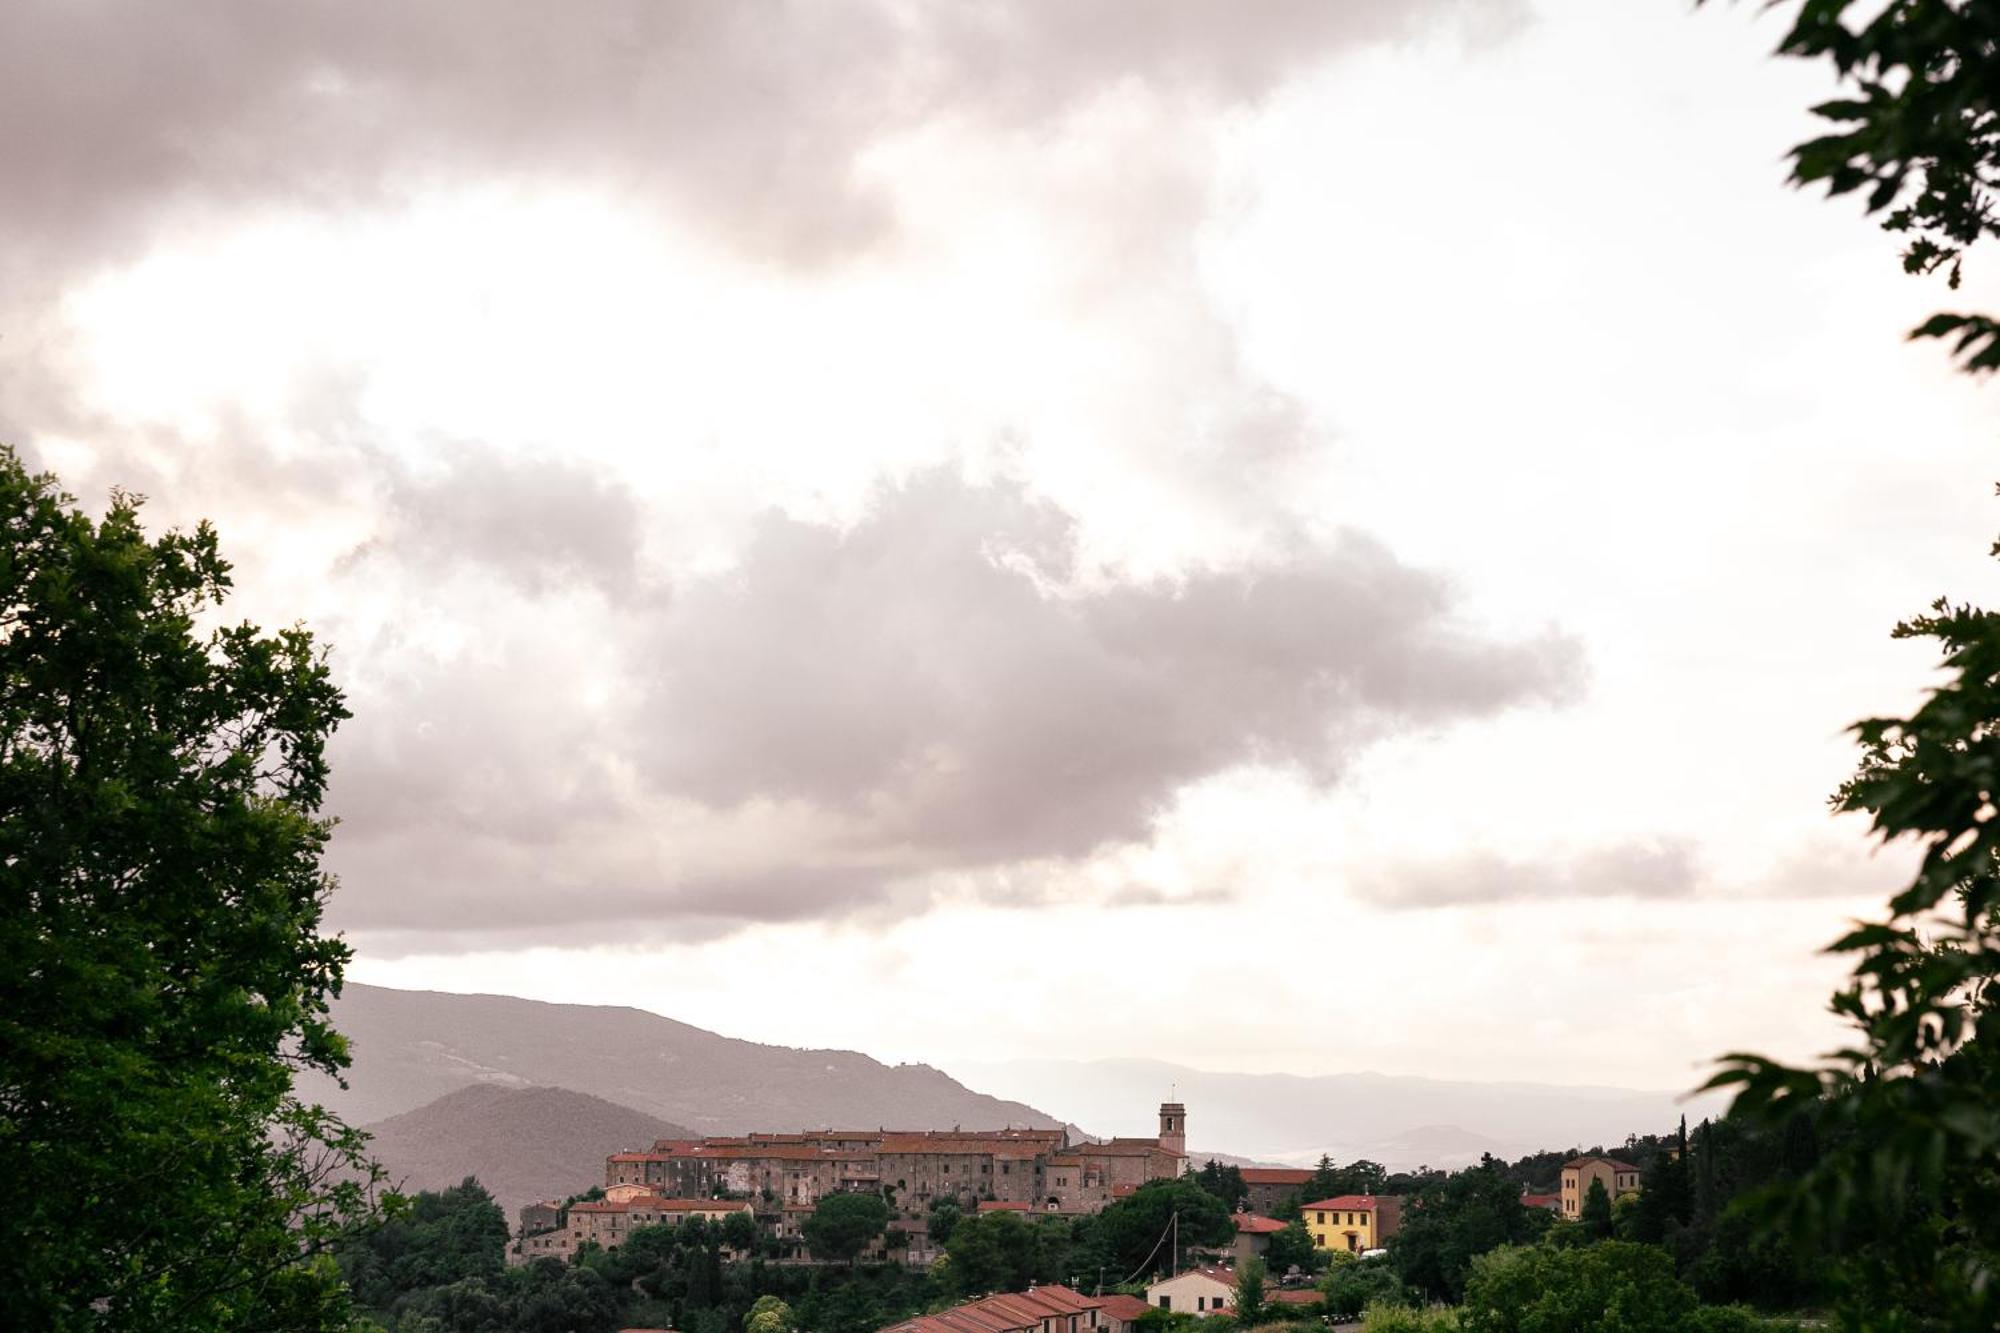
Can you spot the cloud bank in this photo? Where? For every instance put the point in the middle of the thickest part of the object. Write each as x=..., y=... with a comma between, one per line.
x=849, y=715
x=808, y=713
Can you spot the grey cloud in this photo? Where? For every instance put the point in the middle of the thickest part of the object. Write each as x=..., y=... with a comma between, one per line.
x=1664, y=868
x=753, y=114
x=541, y=523
x=904, y=674
x=849, y=718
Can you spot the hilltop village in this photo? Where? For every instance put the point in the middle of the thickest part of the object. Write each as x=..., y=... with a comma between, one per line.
x=760, y=1192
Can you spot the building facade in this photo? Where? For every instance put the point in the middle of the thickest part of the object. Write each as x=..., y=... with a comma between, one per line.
x=1269, y=1186
x=1353, y=1222
x=1197, y=1291
x=1577, y=1173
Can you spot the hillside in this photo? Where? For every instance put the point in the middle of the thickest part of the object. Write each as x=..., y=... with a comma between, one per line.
x=1399, y=1121
x=413, y=1047
x=523, y=1143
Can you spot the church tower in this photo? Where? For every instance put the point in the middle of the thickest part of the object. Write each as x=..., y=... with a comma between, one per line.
x=1173, y=1128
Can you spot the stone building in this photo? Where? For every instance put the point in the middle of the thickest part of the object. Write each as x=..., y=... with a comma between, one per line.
x=1269, y=1186
x=608, y=1221
x=1038, y=1167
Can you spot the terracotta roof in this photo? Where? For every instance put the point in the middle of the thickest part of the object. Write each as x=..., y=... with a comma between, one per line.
x=1250, y=1224
x=1004, y=1206
x=1275, y=1175
x=1292, y=1296
x=1008, y=1312
x=1123, y=1308
x=1353, y=1201
x=919, y=1145
x=1588, y=1158
x=1541, y=1200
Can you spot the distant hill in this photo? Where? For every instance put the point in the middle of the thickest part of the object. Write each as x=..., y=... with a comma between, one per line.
x=1398, y=1121
x=524, y=1144
x=413, y=1047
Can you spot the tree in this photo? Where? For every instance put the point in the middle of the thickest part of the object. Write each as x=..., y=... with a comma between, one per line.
x=1224, y=1182
x=1596, y=1212
x=1615, y=1287
x=1127, y=1236
x=1249, y=1295
x=162, y=970
x=442, y=1237
x=1449, y=1223
x=769, y=1315
x=1352, y=1285
x=739, y=1232
x=1916, y=133
x=841, y=1226
x=1293, y=1248
x=992, y=1252
x=943, y=1218
x=1911, y=1106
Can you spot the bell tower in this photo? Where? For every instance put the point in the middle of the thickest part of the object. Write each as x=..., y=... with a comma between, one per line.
x=1173, y=1128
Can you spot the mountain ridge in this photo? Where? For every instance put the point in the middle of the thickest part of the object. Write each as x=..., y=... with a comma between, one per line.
x=522, y=1144
x=412, y=1047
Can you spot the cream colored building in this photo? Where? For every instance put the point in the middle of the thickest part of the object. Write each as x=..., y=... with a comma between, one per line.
x=1197, y=1291
x=1618, y=1177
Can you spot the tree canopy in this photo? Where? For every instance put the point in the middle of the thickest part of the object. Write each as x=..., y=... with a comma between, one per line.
x=162, y=969
x=1902, y=1183
x=841, y=1225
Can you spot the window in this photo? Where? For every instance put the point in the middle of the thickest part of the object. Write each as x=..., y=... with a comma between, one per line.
x=1321, y=1219
x=1166, y=1302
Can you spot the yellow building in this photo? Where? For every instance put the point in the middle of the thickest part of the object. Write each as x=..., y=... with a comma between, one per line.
x=1353, y=1222
x=1618, y=1177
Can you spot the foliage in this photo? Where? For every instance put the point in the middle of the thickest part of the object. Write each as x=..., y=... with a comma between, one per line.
x=1614, y=1287
x=1450, y=1223
x=1224, y=1182
x=1125, y=1237
x=1293, y=1248
x=996, y=1251
x=441, y=1238
x=1916, y=132
x=543, y=1297
x=1409, y=1319
x=1357, y=1177
x=943, y=1218
x=841, y=1225
x=1908, y=1187
x=162, y=970
x=1247, y=1301
x=1595, y=1215
x=768, y=1314
x=1352, y=1285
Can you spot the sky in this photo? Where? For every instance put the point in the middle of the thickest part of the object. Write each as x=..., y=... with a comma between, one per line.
x=1272, y=536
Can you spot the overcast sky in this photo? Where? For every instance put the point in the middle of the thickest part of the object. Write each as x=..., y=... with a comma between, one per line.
x=1273, y=536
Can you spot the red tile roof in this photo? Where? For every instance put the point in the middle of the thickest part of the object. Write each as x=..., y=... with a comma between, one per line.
x=1292, y=1296
x=1250, y=1224
x=1123, y=1308
x=1276, y=1175
x=1541, y=1200
x=1588, y=1158
x=1354, y=1201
